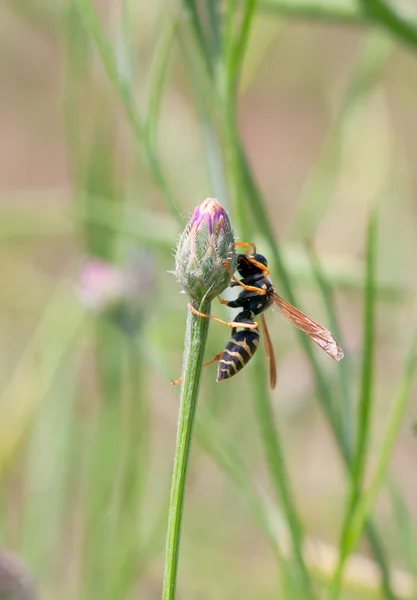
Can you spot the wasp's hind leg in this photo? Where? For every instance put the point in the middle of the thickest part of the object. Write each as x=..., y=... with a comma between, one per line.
x=260, y=266
x=206, y=364
x=231, y=324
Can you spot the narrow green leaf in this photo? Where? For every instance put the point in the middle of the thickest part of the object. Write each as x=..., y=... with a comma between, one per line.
x=256, y=205
x=394, y=423
x=278, y=471
x=158, y=76
x=364, y=409
x=321, y=182
x=386, y=16
x=344, y=366
x=342, y=12
x=406, y=529
x=365, y=401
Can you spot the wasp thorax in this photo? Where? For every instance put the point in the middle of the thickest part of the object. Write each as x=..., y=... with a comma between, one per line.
x=206, y=243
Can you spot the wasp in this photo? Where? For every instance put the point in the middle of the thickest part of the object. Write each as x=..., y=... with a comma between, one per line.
x=257, y=296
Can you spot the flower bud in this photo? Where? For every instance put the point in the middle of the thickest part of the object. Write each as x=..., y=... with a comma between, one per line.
x=206, y=243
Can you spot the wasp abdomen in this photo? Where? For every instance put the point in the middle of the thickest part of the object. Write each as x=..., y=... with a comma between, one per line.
x=238, y=352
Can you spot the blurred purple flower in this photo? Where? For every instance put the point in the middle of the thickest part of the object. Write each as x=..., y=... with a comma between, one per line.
x=121, y=293
x=100, y=284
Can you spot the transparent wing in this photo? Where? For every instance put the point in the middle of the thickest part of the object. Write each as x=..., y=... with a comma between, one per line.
x=316, y=332
x=270, y=353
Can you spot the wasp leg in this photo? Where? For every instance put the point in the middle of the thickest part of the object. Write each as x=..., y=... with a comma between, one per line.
x=209, y=362
x=249, y=288
x=215, y=359
x=231, y=324
x=222, y=301
x=246, y=245
x=259, y=265
x=252, y=260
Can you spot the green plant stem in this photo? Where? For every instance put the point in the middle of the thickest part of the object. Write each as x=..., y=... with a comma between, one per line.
x=319, y=187
x=344, y=367
x=364, y=408
x=90, y=20
x=333, y=12
x=195, y=342
x=382, y=13
x=226, y=86
x=197, y=28
x=134, y=465
x=279, y=475
x=255, y=203
x=365, y=404
x=238, y=46
x=158, y=76
x=365, y=502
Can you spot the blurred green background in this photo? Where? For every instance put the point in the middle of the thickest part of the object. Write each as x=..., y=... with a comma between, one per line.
x=112, y=131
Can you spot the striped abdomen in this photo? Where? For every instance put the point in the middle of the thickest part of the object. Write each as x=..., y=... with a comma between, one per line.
x=238, y=352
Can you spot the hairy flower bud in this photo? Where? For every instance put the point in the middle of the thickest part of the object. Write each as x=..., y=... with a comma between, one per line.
x=206, y=243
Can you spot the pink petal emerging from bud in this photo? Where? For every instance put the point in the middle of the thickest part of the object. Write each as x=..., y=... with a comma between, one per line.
x=210, y=211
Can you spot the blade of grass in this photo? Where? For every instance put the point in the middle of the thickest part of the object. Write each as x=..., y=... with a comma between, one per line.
x=366, y=396
x=203, y=94
x=20, y=403
x=158, y=76
x=344, y=367
x=94, y=29
x=279, y=475
x=365, y=403
x=256, y=205
x=227, y=458
x=215, y=21
x=385, y=15
x=395, y=419
x=226, y=87
x=321, y=182
x=48, y=465
x=338, y=13
x=191, y=9
x=124, y=42
x=105, y=437
x=134, y=467
x=406, y=528
x=95, y=32
x=238, y=48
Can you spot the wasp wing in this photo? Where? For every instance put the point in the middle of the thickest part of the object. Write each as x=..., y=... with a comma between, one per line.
x=270, y=353
x=316, y=332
